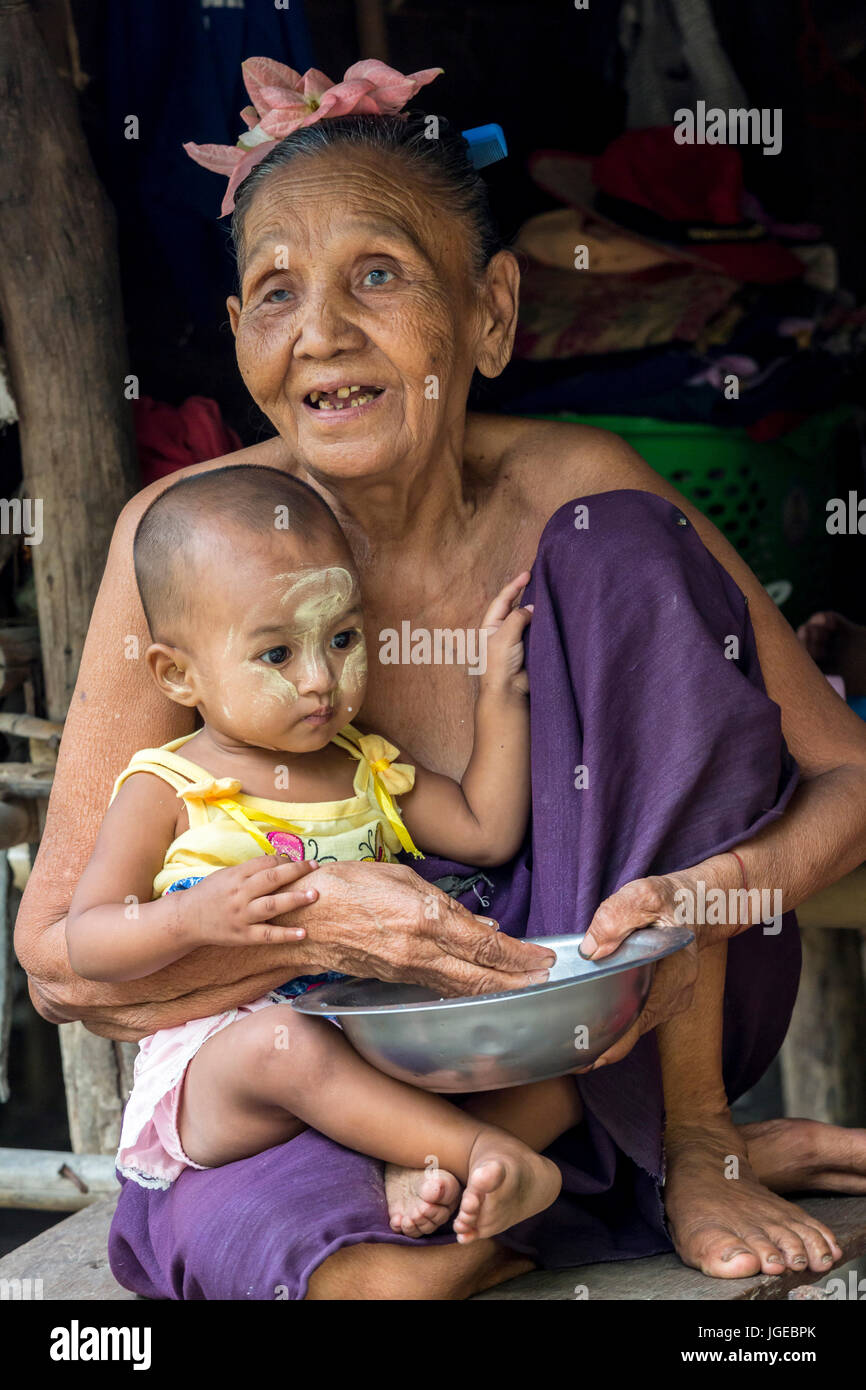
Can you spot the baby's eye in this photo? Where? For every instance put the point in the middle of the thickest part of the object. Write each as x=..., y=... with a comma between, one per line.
x=278, y=296
x=377, y=277
x=275, y=656
x=343, y=640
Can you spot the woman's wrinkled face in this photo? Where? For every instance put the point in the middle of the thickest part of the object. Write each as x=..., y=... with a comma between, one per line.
x=357, y=331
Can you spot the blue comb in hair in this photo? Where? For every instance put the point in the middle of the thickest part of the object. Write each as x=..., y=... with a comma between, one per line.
x=486, y=144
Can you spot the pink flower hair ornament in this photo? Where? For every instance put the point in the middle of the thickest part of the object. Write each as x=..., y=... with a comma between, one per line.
x=283, y=101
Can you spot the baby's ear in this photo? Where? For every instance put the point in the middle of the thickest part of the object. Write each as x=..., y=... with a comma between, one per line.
x=171, y=669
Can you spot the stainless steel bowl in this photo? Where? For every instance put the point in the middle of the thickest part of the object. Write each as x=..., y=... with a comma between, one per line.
x=487, y=1041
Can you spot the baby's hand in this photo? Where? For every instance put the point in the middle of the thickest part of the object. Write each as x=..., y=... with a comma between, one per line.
x=236, y=906
x=504, y=627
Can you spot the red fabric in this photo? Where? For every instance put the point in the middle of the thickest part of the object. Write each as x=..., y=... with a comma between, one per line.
x=170, y=437
x=682, y=183
x=774, y=425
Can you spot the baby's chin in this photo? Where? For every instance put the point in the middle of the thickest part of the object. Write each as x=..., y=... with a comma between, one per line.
x=307, y=738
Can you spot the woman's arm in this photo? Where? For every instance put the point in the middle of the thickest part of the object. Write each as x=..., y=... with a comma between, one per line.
x=115, y=710
x=822, y=834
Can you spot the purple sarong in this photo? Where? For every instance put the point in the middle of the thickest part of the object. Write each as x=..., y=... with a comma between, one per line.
x=684, y=757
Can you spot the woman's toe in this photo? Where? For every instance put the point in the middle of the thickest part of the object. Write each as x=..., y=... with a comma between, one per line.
x=790, y=1245
x=721, y=1253
x=819, y=1249
x=732, y=1261
x=768, y=1252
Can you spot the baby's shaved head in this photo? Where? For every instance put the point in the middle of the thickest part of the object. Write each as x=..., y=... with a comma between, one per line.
x=195, y=517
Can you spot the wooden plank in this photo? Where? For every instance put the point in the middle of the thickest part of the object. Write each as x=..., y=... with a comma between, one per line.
x=70, y=1259
x=822, y=1057
x=843, y=904
x=95, y=1072
x=50, y=1180
x=665, y=1277
x=28, y=726
x=25, y=779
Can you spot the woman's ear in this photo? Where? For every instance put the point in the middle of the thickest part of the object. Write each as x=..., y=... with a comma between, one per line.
x=173, y=673
x=233, y=304
x=500, y=300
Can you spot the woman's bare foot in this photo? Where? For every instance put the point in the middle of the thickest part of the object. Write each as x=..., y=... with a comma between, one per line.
x=807, y=1156
x=723, y=1220
x=838, y=645
x=420, y=1200
x=507, y=1183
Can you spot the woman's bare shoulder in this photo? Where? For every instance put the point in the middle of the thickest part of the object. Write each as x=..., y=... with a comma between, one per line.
x=270, y=453
x=548, y=462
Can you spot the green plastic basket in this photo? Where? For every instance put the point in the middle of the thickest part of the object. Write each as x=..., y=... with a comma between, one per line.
x=769, y=499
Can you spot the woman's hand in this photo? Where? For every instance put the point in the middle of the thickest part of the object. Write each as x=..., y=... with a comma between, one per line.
x=384, y=921
x=655, y=902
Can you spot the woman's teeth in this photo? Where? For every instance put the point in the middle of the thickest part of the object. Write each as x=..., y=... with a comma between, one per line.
x=344, y=395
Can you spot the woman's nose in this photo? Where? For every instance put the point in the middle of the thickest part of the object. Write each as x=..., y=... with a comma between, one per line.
x=325, y=327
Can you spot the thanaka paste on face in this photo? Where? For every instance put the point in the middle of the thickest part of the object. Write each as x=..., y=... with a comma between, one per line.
x=317, y=598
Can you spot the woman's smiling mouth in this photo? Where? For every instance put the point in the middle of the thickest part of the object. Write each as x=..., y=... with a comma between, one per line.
x=343, y=401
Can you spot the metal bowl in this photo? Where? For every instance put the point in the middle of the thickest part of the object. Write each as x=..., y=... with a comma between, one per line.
x=487, y=1041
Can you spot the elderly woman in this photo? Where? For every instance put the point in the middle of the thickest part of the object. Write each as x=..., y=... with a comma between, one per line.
x=367, y=259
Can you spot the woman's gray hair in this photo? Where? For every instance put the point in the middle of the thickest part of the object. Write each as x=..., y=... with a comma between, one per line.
x=429, y=147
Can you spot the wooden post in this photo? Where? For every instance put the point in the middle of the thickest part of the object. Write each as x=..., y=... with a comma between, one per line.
x=823, y=1072
x=61, y=307
x=19, y=650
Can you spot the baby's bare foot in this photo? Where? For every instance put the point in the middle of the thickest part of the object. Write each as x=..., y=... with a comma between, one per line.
x=507, y=1183
x=420, y=1200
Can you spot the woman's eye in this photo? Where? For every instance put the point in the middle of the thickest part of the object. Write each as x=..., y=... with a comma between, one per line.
x=278, y=296
x=343, y=640
x=275, y=657
x=374, y=278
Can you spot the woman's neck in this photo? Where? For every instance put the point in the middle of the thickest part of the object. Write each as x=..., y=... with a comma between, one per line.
x=415, y=511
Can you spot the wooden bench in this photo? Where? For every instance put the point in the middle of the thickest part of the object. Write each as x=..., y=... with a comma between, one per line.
x=72, y=1262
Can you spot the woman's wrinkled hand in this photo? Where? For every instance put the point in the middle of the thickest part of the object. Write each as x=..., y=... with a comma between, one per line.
x=383, y=921
x=646, y=902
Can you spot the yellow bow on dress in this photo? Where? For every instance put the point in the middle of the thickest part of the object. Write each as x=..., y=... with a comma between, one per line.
x=221, y=791
x=389, y=778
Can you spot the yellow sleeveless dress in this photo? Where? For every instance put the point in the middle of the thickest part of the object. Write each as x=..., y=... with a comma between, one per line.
x=227, y=827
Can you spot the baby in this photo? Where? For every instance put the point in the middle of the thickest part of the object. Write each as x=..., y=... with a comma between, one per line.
x=254, y=610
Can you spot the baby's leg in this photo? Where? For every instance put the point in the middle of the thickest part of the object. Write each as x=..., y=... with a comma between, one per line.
x=536, y=1114
x=259, y=1081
